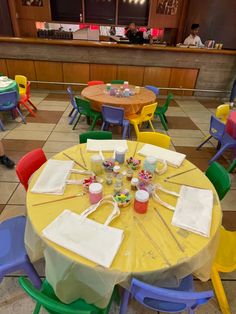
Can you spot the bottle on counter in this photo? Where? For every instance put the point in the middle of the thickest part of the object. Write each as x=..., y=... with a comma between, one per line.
x=120, y=155
x=150, y=164
x=96, y=164
x=134, y=184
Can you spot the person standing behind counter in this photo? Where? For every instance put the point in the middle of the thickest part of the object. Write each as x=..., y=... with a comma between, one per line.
x=134, y=35
x=193, y=39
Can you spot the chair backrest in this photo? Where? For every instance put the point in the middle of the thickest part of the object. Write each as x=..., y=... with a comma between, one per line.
x=46, y=300
x=72, y=97
x=28, y=164
x=8, y=99
x=217, y=128
x=83, y=105
x=167, y=102
x=28, y=90
x=167, y=300
x=147, y=111
x=117, y=82
x=154, y=138
x=220, y=178
x=222, y=112
x=154, y=89
x=95, y=135
x=92, y=83
x=22, y=82
x=113, y=114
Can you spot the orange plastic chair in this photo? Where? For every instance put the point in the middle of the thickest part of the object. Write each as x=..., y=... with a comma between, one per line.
x=222, y=112
x=25, y=101
x=21, y=80
x=28, y=164
x=146, y=115
x=154, y=138
x=92, y=83
x=225, y=262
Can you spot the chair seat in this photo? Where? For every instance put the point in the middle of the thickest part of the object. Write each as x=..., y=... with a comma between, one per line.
x=12, y=248
x=7, y=106
x=21, y=91
x=136, y=119
x=78, y=304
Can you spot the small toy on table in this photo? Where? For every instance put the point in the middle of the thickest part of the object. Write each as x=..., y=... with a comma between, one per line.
x=87, y=182
x=108, y=164
x=133, y=163
x=123, y=198
x=145, y=176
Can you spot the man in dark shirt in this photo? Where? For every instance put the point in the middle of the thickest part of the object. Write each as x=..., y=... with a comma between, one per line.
x=134, y=35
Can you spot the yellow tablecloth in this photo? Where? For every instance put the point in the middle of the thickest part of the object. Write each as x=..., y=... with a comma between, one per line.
x=73, y=276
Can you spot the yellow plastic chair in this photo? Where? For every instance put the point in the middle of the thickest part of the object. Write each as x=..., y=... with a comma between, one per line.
x=21, y=80
x=225, y=262
x=154, y=138
x=222, y=112
x=146, y=115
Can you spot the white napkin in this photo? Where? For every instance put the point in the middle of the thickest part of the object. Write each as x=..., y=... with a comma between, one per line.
x=172, y=158
x=5, y=84
x=52, y=179
x=193, y=211
x=86, y=237
x=105, y=145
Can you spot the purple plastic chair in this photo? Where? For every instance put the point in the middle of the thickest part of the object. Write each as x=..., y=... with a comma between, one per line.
x=115, y=116
x=13, y=256
x=217, y=130
x=166, y=300
x=154, y=89
x=74, y=112
x=8, y=102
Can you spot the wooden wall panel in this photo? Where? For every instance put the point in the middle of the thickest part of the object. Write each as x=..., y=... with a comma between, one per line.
x=103, y=72
x=157, y=76
x=22, y=67
x=33, y=12
x=132, y=74
x=3, y=67
x=27, y=28
x=75, y=73
x=49, y=71
x=185, y=78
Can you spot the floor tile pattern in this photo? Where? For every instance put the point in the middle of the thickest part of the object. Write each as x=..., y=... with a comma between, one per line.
x=188, y=121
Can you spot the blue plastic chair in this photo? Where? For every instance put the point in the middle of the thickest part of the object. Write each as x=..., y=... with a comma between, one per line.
x=115, y=116
x=8, y=102
x=154, y=89
x=217, y=130
x=166, y=300
x=13, y=256
x=227, y=142
x=74, y=112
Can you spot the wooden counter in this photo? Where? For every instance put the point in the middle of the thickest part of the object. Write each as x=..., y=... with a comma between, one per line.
x=78, y=61
x=100, y=44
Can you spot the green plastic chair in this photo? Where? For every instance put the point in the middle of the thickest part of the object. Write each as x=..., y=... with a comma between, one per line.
x=232, y=166
x=47, y=299
x=161, y=110
x=117, y=82
x=220, y=178
x=85, y=109
x=95, y=135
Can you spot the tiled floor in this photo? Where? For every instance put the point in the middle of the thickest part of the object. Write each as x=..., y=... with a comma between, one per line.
x=188, y=121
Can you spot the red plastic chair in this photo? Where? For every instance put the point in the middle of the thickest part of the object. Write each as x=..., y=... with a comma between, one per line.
x=25, y=100
x=92, y=83
x=28, y=164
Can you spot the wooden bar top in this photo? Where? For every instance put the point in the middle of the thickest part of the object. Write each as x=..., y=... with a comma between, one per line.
x=100, y=44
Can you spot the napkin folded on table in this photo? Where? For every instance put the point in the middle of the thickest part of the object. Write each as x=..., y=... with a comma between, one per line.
x=106, y=145
x=5, y=83
x=52, y=179
x=86, y=237
x=172, y=158
x=193, y=211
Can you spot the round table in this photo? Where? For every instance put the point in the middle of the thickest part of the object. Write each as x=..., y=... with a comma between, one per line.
x=132, y=104
x=13, y=86
x=73, y=276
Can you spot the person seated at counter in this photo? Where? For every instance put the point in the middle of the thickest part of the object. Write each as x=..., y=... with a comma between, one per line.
x=134, y=35
x=193, y=39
